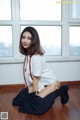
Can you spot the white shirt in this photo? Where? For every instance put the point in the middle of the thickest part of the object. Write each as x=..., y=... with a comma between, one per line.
x=40, y=69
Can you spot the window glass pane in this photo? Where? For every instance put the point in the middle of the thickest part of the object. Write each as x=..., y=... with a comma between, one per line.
x=50, y=37
x=5, y=41
x=40, y=10
x=76, y=9
x=74, y=43
x=5, y=10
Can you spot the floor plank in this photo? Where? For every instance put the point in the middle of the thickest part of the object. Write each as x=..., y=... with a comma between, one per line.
x=70, y=111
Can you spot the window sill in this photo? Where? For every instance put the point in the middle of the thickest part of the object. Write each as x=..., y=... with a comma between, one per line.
x=48, y=59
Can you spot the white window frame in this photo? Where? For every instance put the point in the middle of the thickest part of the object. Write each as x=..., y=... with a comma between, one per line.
x=16, y=24
x=75, y=20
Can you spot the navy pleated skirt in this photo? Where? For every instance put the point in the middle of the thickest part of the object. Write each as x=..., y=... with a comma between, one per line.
x=31, y=103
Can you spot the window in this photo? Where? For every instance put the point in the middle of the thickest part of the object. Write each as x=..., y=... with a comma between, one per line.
x=5, y=10
x=55, y=20
x=5, y=29
x=76, y=9
x=74, y=45
x=5, y=41
x=74, y=29
x=41, y=14
x=40, y=10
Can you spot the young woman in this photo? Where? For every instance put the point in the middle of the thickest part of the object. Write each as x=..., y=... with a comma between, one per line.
x=41, y=86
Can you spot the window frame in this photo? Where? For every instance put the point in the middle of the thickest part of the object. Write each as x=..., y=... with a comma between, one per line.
x=72, y=20
x=16, y=24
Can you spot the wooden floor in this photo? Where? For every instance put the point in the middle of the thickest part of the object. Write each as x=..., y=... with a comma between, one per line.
x=70, y=111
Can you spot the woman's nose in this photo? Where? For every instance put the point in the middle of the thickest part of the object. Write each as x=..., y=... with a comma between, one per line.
x=25, y=40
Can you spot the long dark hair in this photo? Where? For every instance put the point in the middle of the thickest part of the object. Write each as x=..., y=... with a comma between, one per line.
x=35, y=47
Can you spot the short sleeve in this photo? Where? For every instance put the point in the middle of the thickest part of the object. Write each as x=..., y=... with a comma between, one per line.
x=36, y=65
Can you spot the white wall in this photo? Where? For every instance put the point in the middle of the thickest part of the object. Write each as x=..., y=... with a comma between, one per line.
x=65, y=71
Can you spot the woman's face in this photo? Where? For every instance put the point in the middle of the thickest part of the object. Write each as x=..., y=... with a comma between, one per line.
x=26, y=40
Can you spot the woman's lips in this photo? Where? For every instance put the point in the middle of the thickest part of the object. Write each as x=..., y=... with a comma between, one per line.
x=25, y=44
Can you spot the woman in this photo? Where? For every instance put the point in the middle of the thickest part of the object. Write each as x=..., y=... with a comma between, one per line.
x=42, y=87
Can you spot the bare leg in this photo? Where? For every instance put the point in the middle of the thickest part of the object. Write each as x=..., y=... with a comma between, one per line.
x=49, y=89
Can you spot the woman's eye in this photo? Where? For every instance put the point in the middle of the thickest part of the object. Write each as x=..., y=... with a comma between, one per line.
x=23, y=36
x=29, y=38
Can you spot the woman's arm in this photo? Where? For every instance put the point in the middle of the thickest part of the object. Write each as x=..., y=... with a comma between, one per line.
x=35, y=84
x=30, y=88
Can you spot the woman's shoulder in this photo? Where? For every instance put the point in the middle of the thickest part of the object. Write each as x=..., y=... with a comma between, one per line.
x=37, y=57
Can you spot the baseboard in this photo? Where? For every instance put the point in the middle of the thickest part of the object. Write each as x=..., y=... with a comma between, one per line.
x=22, y=85
x=71, y=82
x=12, y=86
